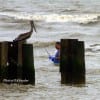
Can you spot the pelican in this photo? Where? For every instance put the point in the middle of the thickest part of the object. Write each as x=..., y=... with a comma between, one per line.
x=24, y=36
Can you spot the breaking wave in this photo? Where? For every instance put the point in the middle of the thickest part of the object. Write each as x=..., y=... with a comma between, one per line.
x=77, y=18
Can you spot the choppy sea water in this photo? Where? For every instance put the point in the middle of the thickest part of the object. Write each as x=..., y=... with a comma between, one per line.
x=54, y=20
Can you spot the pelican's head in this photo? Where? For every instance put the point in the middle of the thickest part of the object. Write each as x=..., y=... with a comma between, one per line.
x=32, y=25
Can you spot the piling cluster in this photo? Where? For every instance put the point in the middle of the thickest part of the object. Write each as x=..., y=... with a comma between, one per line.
x=16, y=63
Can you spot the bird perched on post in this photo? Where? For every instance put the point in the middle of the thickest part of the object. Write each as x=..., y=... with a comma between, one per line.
x=24, y=36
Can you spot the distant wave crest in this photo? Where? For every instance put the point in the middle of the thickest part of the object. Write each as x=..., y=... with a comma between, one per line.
x=79, y=18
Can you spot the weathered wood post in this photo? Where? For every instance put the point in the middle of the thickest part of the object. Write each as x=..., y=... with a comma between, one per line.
x=12, y=60
x=28, y=63
x=17, y=63
x=72, y=63
x=3, y=59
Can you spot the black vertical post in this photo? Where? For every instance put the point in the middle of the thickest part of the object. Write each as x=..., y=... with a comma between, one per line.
x=28, y=63
x=3, y=60
x=79, y=64
x=12, y=61
x=72, y=64
x=19, y=45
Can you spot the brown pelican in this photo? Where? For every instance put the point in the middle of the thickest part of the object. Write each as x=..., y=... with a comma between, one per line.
x=26, y=35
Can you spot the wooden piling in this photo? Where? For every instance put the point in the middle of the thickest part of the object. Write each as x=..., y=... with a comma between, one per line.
x=28, y=63
x=72, y=63
x=12, y=61
x=3, y=60
x=79, y=64
x=16, y=63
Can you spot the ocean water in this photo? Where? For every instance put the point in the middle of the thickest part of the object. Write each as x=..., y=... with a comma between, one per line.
x=54, y=20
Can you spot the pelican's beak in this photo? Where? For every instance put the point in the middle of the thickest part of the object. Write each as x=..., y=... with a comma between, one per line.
x=33, y=25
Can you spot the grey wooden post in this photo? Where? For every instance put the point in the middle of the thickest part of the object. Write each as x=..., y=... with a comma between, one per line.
x=72, y=63
x=28, y=63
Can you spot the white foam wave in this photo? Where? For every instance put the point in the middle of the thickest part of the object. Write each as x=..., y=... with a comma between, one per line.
x=79, y=18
